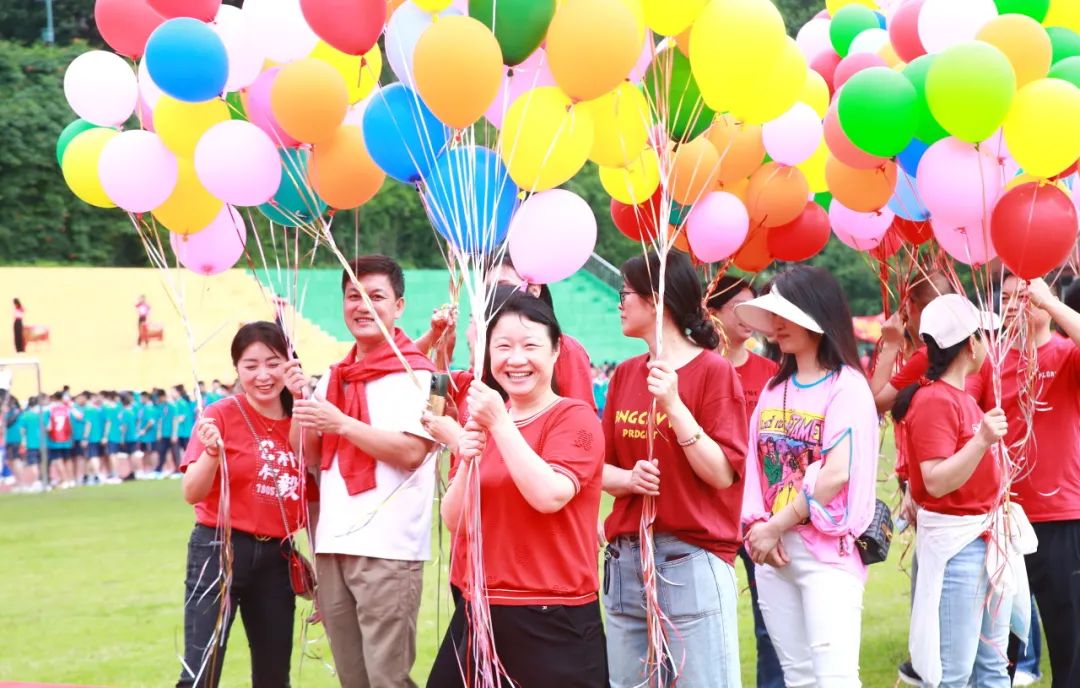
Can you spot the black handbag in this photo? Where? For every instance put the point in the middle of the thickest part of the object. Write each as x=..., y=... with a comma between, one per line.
x=874, y=543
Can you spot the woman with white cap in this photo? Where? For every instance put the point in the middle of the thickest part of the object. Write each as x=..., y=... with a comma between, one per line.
x=971, y=576
x=810, y=474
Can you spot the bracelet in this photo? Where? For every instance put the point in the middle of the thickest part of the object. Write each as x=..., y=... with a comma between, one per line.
x=693, y=439
x=212, y=454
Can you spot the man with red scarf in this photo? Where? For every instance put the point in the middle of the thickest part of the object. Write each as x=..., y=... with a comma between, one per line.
x=361, y=427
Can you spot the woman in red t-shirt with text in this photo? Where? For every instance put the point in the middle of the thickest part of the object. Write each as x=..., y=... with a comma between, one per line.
x=540, y=459
x=694, y=473
x=264, y=505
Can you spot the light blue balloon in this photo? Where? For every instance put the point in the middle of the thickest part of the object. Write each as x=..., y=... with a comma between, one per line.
x=403, y=31
x=402, y=135
x=471, y=199
x=905, y=201
x=295, y=202
x=187, y=60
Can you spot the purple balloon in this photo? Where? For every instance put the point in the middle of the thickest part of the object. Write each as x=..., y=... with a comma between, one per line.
x=863, y=227
x=969, y=245
x=792, y=138
x=552, y=235
x=959, y=185
x=238, y=163
x=215, y=248
x=717, y=226
x=137, y=171
x=648, y=51
x=534, y=72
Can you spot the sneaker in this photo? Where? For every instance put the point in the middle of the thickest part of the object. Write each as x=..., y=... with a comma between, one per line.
x=1023, y=678
x=908, y=675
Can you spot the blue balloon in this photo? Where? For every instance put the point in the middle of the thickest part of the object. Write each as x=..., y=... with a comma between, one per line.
x=471, y=199
x=187, y=60
x=295, y=202
x=905, y=201
x=880, y=19
x=402, y=135
x=910, y=157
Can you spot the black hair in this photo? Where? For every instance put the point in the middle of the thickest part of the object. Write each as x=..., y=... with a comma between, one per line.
x=57, y=396
x=183, y=392
x=273, y=337
x=725, y=289
x=682, y=293
x=1071, y=297
x=939, y=359
x=506, y=300
x=926, y=288
x=505, y=261
x=375, y=264
x=18, y=303
x=817, y=293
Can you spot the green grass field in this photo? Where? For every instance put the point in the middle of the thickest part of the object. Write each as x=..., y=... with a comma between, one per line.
x=91, y=592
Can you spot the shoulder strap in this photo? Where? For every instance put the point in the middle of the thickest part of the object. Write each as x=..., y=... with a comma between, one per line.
x=277, y=472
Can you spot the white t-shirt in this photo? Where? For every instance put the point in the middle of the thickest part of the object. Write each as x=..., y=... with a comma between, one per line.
x=393, y=520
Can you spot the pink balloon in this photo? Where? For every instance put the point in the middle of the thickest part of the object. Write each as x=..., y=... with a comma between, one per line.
x=996, y=148
x=534, y=72
x=101, y=88
x=864, y=227
x=238, y=163
x=137, y=171
x=813, y=38
x=841, y=146
x=246, y=54
x=551, y=236
x=648, y=51
x=717, y=226
x=145, y=115
x=857, y=244
x=853, y=64
x=215, y=248
x=970, y=245
x=944, y=23
x=959, y=185
x=793, y=137
x=259, y=112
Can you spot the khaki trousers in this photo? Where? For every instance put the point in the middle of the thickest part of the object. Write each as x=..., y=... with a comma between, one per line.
x=369, y=608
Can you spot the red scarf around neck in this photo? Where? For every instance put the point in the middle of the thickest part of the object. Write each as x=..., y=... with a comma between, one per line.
x=347, y=391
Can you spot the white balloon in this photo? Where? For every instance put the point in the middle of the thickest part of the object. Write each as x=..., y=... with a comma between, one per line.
x=944, y=23
x=869, y=41
x=792, y=138
x=246, y=53
x=403, y=30
x=813, y=38
x=280, y=28
x=101, y=88
x=149, y=91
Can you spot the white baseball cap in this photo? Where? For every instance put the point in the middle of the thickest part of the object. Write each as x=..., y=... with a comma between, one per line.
x=757, y=313
x=951, y=318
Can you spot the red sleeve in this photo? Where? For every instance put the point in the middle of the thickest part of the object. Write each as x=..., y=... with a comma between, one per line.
x=979, y=386
x=721, y=411
x=934, y=426
x=573, y=443
x=914, y=369
x=609, y=419
x=573, y=372
x=195, y=447
x=1072, y=364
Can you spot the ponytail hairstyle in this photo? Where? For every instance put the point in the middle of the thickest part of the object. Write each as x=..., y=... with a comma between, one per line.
x=940, y=360
x=273, y=337
x=682, y=294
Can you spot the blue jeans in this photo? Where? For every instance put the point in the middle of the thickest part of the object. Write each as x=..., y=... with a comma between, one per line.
x=974, y=629
x=697, y=592
x=1031, y=656
x=769, y=673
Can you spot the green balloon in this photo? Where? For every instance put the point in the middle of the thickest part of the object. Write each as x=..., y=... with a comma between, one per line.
x=927, y=128
x=295, y=203
x=70, y=132
x=519, y=25
x=877, y=111
x=824, y=199
x=849, y=22
x=1036, y=9
x=970, y=89
x=236, y=105
x=1065, y=42
x=688, y=115
x=1067, y=70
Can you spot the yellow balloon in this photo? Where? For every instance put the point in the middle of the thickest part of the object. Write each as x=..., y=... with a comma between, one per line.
x=1041, y=130
x=834, y=5
x=776, y=91
x=671, y=17
x=888, y=53
x=80, y=166
x=360, y=72
x=1064, y=13
x=1028, y=179
x=432, y=5
x=634, y=183
x=621, y=122
x=190, y=208
x=544, y=139
x=815, y=93
x=813, y=168
x=180, y=125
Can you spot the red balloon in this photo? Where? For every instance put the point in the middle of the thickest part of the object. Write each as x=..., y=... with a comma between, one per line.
x=203, y=10
x=754, y=254
x=915, y=232
x=825, y=63
x=904, y=31
x=1070, y=170
x=351, y=26
x=853, y=64
x=842, y=148
x=637, y=222
x=126, y=24
x=890, y=244
x=1033, y=228
x=802, y=238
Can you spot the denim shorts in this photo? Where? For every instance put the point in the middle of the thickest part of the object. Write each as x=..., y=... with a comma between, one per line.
x=33, y=457
x=61, y=453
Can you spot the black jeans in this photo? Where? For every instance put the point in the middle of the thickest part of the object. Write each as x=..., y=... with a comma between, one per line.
x=539, y=646
x=262, y=592
x=1054, y=574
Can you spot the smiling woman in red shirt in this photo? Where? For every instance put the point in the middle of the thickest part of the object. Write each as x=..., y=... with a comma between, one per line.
x=540, y=458
x=266, y=503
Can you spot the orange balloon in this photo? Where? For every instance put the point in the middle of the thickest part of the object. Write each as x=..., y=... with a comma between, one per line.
x=392, y=5
x=776, y=195
x=681, y=242
x=695, y=168
x=342, y=172
x=1024, y=41
x=861, y=190
x=738, y=188
x=740, y=148
x=754, y=254
x=309, y=100
x=592, y=46
x=457, y=65
x=682, y=41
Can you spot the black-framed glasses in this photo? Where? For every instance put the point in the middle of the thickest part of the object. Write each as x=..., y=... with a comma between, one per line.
x=623, y=293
